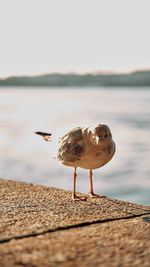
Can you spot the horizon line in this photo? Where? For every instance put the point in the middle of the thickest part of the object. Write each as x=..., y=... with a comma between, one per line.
x=94, y=72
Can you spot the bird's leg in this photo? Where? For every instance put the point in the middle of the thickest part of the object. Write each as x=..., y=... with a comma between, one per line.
x=74, y=184
x=74, y=196
x=91, y=186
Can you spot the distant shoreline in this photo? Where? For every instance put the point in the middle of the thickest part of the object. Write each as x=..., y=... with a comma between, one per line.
x=134, y=79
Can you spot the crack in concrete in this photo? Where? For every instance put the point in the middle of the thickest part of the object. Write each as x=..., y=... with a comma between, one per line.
x=67, y=227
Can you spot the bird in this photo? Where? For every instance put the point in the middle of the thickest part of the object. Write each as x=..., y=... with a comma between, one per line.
x=86, y=147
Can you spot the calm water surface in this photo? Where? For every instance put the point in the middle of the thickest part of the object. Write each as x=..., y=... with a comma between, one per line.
x=25, y=156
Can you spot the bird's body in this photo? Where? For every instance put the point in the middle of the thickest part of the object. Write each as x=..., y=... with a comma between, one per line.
x=85, y=147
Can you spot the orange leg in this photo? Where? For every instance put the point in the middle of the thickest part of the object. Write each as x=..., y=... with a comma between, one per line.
x=91, y=186
x=74, y=196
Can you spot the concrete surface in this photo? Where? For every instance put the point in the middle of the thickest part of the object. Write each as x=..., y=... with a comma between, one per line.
x=41, y=226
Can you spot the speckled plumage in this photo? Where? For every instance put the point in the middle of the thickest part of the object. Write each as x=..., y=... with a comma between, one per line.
x=85, y=147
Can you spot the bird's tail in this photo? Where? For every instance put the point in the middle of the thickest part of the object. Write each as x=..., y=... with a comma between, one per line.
x=46, y=136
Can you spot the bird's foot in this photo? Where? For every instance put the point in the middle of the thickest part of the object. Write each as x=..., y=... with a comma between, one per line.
x=75, y=197
x=95, y=195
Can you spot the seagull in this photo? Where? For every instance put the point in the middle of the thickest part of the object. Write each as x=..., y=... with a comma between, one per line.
x=85, y=147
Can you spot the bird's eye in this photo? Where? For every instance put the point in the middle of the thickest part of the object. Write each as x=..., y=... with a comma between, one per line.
x=105, y=135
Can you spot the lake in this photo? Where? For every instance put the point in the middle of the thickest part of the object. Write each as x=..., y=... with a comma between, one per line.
x=24, y=156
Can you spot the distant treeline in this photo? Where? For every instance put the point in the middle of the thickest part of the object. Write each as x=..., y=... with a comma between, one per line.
x=138, y=78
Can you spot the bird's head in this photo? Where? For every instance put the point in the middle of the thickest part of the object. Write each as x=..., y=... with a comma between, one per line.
x=99, y=134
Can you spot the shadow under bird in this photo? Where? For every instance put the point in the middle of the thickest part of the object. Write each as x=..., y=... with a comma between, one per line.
x=85, y=147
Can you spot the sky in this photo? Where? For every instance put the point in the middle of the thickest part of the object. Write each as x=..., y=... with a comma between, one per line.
x=42, y=36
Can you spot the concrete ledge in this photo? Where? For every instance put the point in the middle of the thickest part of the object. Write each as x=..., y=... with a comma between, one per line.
x=41, y=226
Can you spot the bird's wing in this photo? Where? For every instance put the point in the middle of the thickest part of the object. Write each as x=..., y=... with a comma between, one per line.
x=72, y=146
x=46, y=136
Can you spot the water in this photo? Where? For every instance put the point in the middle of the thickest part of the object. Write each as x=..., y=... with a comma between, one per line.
x=24, y=156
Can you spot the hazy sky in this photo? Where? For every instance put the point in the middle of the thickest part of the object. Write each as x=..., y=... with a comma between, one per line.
x=38, y=36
